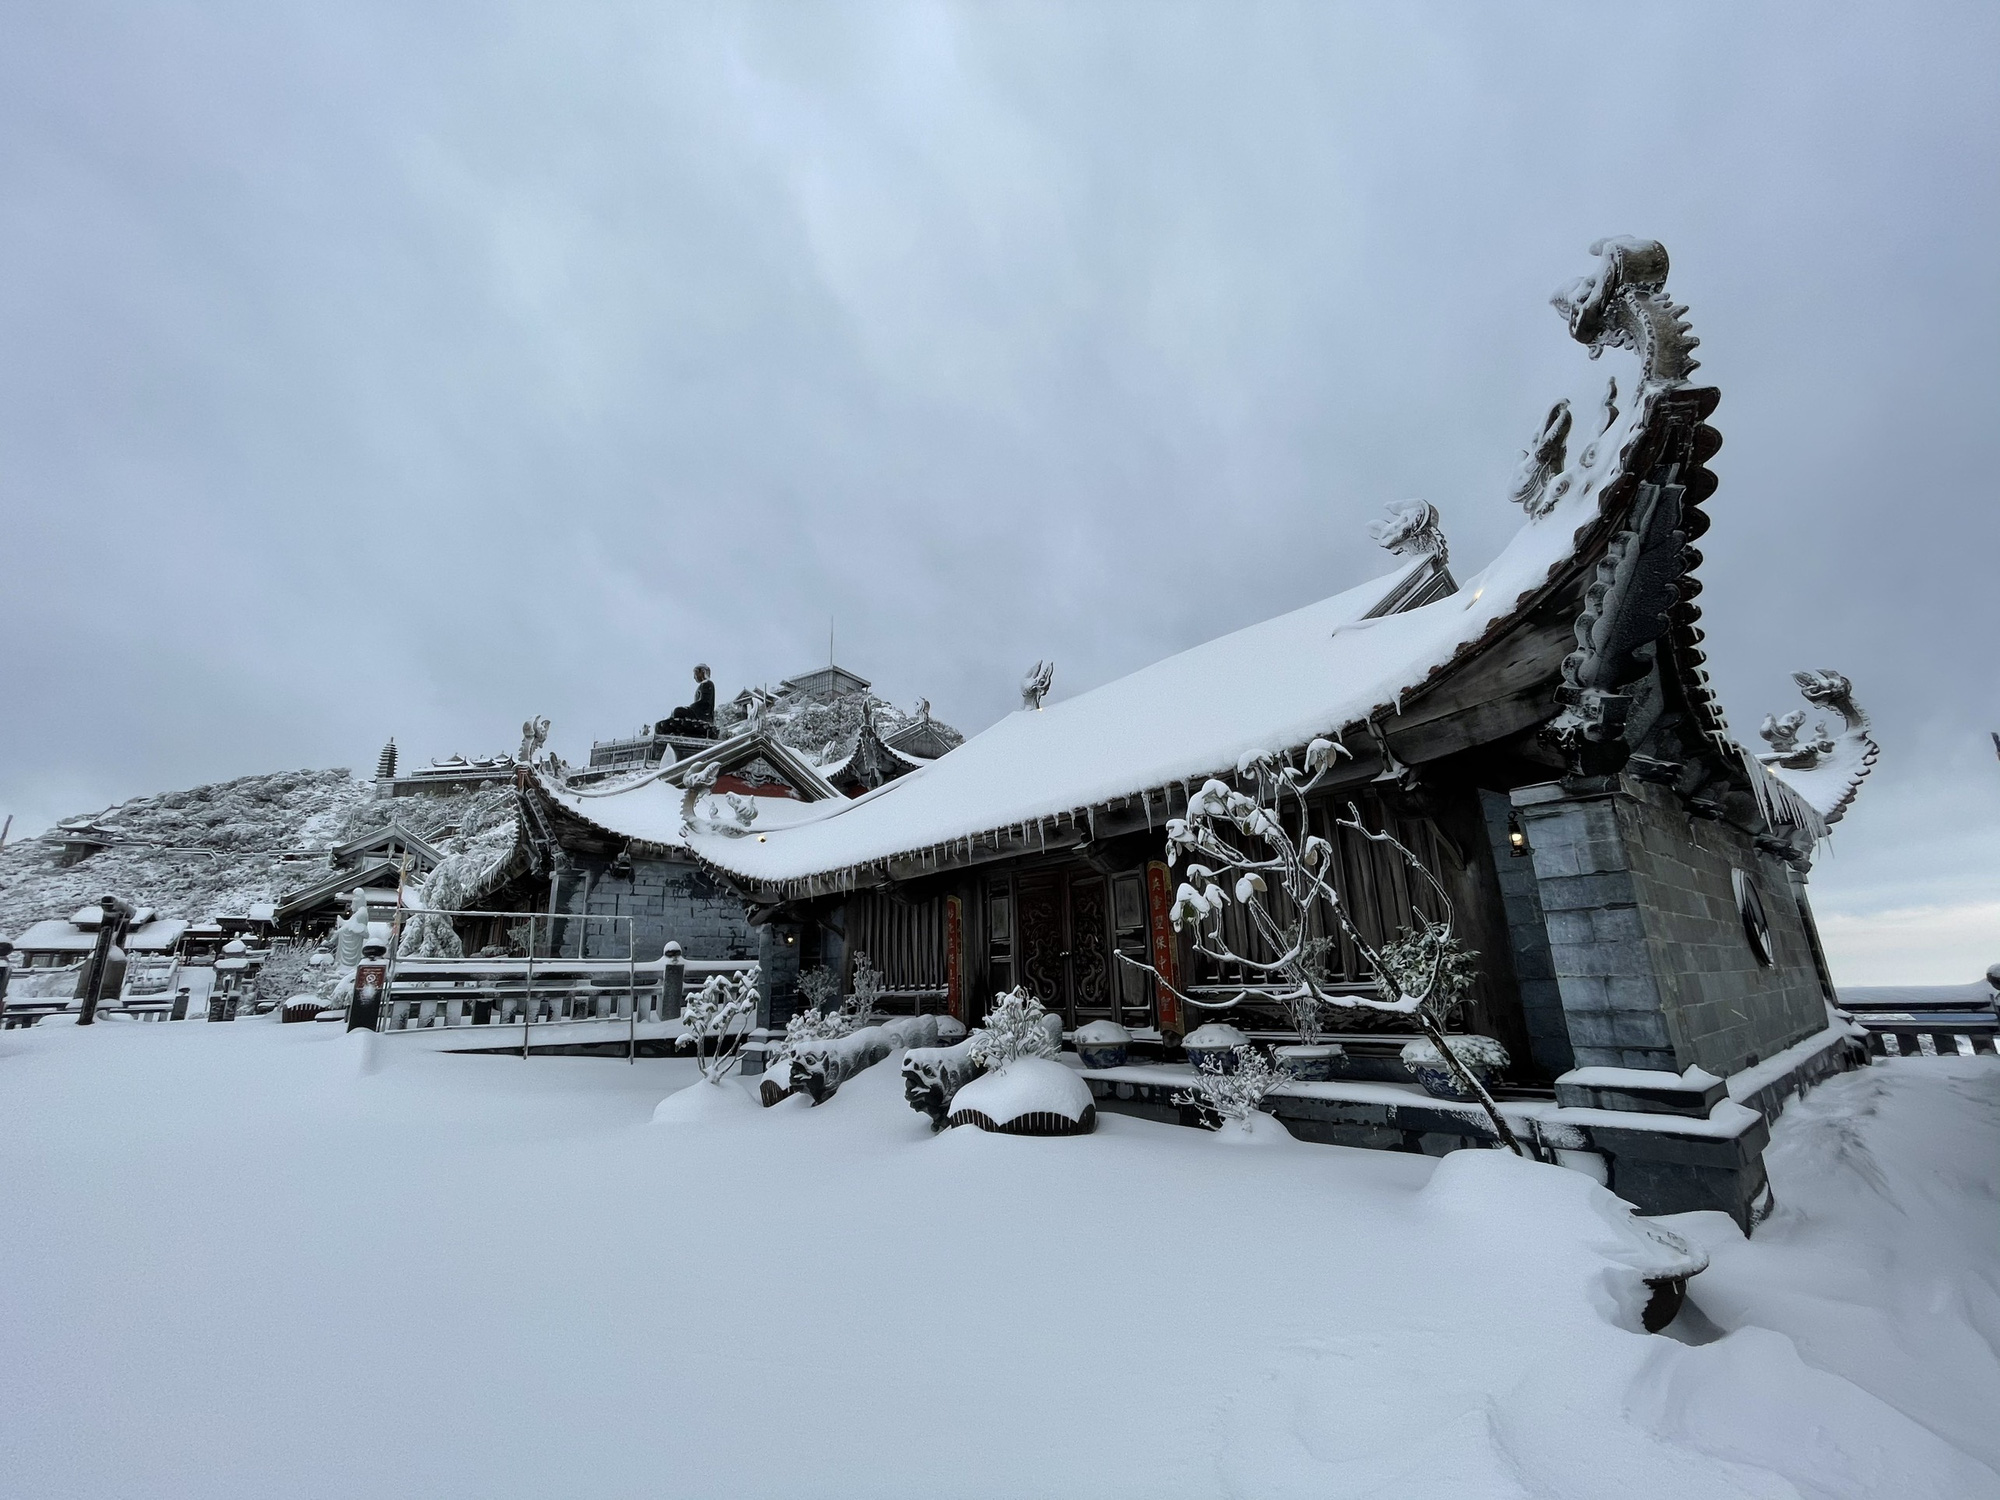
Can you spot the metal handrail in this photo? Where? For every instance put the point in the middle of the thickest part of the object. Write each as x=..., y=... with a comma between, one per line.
x=528, y=988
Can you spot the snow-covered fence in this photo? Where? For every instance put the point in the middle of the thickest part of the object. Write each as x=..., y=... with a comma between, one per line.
x=1925, y=1021
x=532, y=988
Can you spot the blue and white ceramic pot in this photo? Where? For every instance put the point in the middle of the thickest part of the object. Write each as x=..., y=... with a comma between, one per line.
x=1314, y=1064
x=1103, y=1044
x=1212, y=1048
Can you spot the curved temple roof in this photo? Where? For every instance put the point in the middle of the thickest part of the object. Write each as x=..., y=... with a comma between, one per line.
x=1327, y=670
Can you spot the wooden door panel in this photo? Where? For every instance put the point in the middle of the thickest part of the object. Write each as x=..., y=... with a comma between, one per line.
x=1089, y=945
x=1039, y=917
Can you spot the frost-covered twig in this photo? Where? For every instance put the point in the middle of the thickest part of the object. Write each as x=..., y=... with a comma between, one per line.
x=717, y=1021
x=867, y=995
x=1240, y=848
x=1234, y=1097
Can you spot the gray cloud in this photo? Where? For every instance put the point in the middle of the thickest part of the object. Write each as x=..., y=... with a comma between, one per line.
x=366, y=370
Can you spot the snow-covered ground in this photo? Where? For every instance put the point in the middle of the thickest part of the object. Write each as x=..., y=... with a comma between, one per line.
x=269, y=1261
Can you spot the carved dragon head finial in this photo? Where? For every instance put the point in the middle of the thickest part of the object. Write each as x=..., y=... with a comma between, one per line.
x=1410, y=528
x=534, y=735
x=1035, y=685
x=1826, y=770
x=1624, y=305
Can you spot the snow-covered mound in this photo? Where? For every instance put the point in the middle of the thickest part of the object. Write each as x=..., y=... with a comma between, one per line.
x=1030, y=1096
x=212, y=850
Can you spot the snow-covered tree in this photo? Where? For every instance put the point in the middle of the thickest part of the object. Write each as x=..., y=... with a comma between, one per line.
x=716, y=1021
x=1014, y=1028
x=1256, y=849
x=1234, y=1096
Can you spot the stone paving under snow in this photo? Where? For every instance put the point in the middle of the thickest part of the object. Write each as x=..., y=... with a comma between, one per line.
x=254, y=1260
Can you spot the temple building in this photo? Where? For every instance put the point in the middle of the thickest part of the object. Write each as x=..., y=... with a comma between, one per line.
x=1541, y=732
x=601, y=854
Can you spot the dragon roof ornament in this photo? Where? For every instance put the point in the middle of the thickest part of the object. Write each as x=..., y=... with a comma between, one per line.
x=1624, y=304
x=1410, y=528
x=1826, y=770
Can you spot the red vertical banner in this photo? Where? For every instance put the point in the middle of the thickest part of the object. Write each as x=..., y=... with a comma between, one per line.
x=954, y=956
x=1160, y=906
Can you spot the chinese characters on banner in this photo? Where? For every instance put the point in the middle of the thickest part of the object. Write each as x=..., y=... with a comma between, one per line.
x=954, y=964
x=1160, y=905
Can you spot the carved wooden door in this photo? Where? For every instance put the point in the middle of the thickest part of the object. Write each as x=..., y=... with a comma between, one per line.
x=1090, y=993
x=1039, y=921
x=1063, y=922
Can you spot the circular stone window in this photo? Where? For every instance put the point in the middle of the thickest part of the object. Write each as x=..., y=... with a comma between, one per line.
x=1755, y=929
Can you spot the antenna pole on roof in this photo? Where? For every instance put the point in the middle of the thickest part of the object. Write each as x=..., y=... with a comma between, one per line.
x=4, y=827
x=829, y=639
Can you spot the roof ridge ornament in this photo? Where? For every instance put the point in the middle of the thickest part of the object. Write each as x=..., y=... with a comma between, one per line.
x=1035, y=685
x=1624, y=304
x=534, y=735
x=1410, y=528
x=1541, y=461
x=1841, y=763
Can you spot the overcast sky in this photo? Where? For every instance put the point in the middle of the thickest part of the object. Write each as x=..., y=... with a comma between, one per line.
x=373, y=369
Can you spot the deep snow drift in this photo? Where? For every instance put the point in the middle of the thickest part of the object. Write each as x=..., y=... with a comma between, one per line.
x=255, y=1260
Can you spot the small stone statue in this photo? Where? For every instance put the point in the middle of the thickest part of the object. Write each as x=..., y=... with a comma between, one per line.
x=349, y=946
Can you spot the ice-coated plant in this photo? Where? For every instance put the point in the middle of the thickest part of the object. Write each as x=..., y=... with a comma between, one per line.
x=810, y=1025
x=1252, y=847
x=1014, y=1029
x=1233, y=1096
x=867, y=996
x=717, y=1019
x=1408, y=961
x=821, y=987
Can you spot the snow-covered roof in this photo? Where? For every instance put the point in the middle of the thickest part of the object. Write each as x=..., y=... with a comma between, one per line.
x=1336, y=667
x=156, y=936
x=648, y=809
x=392, y=835
x=380, y=873
x=1271, y=687
x=56, y=935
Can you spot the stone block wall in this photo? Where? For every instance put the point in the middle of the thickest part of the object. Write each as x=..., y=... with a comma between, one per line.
x=1527, y=936
x=1646, y=938
x=669, y=899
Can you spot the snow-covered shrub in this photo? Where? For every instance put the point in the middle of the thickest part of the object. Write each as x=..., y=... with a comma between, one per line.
x=821, y=987
x=1014, y=1029
x=1429, y=956
x=716, y=1020
x=290, y=971
x=1233, y=1097
x=867, y=994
